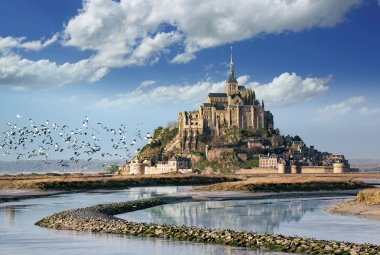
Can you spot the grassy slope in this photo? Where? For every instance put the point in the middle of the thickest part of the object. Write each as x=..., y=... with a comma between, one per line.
x=368, y=197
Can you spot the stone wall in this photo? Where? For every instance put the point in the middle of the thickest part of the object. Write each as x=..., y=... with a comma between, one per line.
x=159, y=169
x=316, y=169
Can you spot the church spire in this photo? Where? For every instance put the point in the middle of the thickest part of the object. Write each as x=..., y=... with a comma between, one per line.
x=231, y=76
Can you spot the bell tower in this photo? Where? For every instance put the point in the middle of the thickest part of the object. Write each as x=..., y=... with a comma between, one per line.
x=231, y=83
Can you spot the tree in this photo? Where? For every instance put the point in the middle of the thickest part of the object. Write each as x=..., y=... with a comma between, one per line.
x=112, y=169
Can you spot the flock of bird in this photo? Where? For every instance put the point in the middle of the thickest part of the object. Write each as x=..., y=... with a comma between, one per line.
x=40, y=141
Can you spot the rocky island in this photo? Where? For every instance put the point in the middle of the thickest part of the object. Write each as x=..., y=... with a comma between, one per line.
x=232, y=132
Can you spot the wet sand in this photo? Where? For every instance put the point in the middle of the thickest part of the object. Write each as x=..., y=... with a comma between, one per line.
x=352, y=208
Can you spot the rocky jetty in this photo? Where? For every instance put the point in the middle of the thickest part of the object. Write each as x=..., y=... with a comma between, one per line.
x=99, y=218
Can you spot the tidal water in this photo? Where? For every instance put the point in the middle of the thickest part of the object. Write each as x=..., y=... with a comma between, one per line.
x=302, y=217
x=19, y=235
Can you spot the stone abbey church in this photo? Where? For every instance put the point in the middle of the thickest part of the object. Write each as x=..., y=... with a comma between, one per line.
x=237, y=107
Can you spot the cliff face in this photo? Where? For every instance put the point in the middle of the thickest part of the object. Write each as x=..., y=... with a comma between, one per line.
x=162, y=146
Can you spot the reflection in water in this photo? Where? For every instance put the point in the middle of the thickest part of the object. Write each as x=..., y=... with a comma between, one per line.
x=302, y=217
x=19, y=235
x=10, y=211
x=260, y=216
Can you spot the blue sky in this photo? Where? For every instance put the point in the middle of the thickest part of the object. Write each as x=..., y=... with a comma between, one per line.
x=315, y=63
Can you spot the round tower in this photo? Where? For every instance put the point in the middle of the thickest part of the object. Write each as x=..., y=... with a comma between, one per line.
x=281, y=168
x=338, y=168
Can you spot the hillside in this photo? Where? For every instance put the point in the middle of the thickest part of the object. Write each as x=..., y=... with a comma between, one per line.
x=235, y=148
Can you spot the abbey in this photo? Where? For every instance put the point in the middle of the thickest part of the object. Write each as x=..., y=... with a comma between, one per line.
x=237, y=107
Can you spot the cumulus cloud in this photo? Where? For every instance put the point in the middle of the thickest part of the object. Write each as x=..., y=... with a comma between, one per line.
x=20, y=73
x=162, y=95
x=134, y=32
x=289, y=88
x=132, y=24
x=283, y=90
x=342, y=108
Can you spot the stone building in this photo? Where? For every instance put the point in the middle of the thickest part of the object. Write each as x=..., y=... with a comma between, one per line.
x=173, y=165
x=269, y=161
x=237, y=106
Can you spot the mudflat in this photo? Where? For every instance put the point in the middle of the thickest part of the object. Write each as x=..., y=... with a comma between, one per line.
x=77, y=181
x=74, y=182
x=8, y=195
x=366, y=203
x=284, y=183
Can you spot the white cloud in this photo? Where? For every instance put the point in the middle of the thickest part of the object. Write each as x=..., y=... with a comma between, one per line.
x=145, y=84
x=368, y=111
x=134, y=32
x=342, y=108
x=133, y=23
x=8, y=43
x=290, y=88
x=242, y=80
x=283, y=90
x=162, y=95
x=20, y=74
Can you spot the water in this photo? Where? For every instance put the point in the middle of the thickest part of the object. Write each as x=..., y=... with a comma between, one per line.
x=19, y=235
x=302, y=217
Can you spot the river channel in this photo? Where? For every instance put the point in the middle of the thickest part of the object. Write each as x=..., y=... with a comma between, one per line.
x=303, y=217
x=19, y=235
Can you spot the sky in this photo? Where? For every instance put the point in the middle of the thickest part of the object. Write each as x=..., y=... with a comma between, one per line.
x=315, y=63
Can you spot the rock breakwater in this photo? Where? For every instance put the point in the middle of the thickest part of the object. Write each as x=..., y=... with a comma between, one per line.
x=99, y=218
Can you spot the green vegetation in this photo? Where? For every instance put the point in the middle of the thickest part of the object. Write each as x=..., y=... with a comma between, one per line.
x=258, y=133
x=249, y=163
x=161, y=138
x=212, y=164
x=112, y=169
x=225, y=164
x=205, y=138
x=165, y=135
